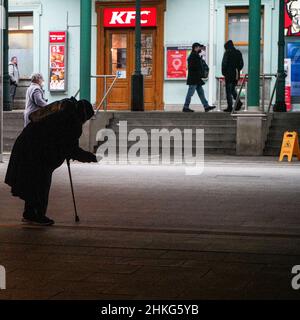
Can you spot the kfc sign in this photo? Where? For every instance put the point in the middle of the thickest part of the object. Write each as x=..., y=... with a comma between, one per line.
x=125, y=17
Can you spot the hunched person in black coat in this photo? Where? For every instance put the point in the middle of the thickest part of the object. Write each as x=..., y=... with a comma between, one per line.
x=42, y=147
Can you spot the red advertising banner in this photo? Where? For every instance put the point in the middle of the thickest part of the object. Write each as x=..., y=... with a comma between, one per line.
x=176, y=63
x=288, y=83
x=125, y=17
x=288, y=100
x=292, y=18
x=57, y=60
x=57, y=37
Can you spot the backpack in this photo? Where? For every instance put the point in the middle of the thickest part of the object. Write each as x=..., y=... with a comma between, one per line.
x=240, y=61
x=205, y=69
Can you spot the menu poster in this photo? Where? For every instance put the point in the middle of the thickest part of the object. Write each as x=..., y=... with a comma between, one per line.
x=57, y=61
x=288, y=98
x=176, y=61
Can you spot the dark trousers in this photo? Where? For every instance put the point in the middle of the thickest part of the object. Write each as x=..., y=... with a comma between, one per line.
x=12, y=93
x=39, y=205
x=230, y=93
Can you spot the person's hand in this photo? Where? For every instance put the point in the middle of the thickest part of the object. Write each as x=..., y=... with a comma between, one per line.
x=94, y=158
x=90, y=157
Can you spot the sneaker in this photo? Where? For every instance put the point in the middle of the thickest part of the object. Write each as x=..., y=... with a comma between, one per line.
x=208, y=108
x=238, y=106
x=187, y=110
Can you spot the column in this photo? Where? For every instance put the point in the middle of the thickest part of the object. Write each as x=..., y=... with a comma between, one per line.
x=254, y=55
x=85, y=49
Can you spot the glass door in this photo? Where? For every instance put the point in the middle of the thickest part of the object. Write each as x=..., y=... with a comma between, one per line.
x=118, y=62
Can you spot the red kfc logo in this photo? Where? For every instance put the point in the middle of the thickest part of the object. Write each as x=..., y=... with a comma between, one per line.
x=126, y=17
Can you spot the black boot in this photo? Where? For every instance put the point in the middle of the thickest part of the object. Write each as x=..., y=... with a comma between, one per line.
x=239, y=105
x=29, y=213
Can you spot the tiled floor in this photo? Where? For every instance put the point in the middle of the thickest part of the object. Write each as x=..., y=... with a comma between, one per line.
x=155, y=233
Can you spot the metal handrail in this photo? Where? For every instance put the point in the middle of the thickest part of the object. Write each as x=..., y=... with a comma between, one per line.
x=244, y=77
x=273, y=93
x=105, y=91
x=239, y=93
x=77, y=93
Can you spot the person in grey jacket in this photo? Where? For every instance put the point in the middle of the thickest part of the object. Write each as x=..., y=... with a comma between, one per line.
x=14, y=76
x=34, y=96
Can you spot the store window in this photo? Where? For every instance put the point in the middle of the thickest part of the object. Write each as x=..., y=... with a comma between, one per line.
x=147, y=54
x=21, y=41
x=237, y=30
x=119, y=54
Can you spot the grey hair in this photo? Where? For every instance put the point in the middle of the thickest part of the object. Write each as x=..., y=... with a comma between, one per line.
x=36, y=77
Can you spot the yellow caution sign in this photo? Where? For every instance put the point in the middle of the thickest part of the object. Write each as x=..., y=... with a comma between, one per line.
x=290, y=146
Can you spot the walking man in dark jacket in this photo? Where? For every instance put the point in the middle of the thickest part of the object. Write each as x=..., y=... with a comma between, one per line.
x=232, y=65
x=39, y=150
x=194, y=80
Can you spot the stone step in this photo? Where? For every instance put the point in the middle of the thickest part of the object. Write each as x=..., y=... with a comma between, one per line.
x=176, y=122
x=287, y=123
x=207, y=150
x=275, y=135
x=286, y=115
x=207, y=143
x=282, y=129
x=207, y=129
x=271, y=151
x=13, y=114
x=19, y=104
x=207, y=137
x=172, y=115
x=13, y=124
x=219, y=128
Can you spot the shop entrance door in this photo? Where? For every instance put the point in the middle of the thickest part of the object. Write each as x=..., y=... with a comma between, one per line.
x=120, y=59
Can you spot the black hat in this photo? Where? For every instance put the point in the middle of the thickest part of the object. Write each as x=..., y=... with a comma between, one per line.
x=84, y=110
x=196, y=45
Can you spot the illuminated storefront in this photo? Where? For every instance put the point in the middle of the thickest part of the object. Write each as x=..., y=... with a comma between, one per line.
x=169, y=27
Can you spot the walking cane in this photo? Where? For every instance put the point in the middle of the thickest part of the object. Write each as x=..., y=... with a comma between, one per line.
x=71, y=182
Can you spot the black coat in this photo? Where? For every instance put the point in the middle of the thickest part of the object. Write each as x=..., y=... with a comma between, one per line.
x=194, y=69
x=232, y=64
x=41, y=148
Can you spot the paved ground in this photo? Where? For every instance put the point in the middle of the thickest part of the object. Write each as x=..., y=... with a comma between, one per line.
x=153, y=232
